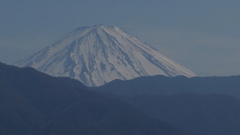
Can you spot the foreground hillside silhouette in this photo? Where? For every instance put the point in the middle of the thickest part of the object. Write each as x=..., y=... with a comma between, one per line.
x=33, y=103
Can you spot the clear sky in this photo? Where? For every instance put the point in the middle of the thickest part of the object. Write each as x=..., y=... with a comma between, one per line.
x=202, y=35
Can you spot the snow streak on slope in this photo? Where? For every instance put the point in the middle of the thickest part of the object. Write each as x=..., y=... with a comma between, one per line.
x=99, y=54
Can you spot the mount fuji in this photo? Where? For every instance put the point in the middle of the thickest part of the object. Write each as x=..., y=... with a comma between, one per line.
x=99, y=54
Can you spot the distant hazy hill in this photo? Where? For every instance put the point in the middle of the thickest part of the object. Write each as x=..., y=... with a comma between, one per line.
x=33, y=103
x=170, y=85
x=196, y=104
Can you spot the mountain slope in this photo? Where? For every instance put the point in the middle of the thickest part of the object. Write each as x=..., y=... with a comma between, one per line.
x=34, y=103
x=99, y=54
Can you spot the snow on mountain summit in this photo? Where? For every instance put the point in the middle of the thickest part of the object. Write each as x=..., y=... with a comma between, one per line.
x=99, y=54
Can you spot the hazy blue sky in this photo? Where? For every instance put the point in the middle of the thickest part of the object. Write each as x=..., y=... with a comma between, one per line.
x=202, y=35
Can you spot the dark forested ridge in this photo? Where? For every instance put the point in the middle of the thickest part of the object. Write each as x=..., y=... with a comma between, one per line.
x=35, y=103
x=213, y=114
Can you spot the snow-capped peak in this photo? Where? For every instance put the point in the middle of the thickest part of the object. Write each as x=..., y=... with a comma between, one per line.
x=99, y=54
